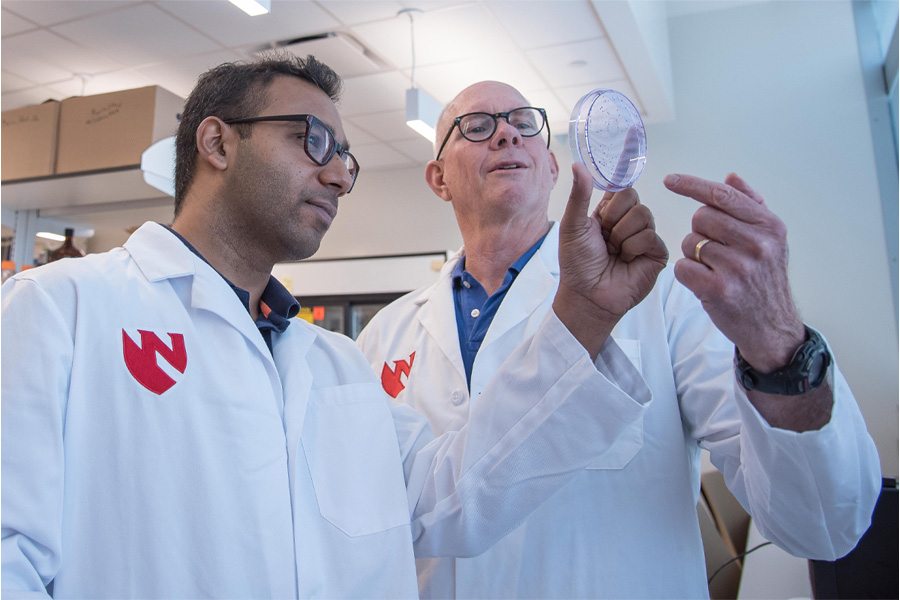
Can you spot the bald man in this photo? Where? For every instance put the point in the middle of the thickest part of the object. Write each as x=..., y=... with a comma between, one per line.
x=719, y=341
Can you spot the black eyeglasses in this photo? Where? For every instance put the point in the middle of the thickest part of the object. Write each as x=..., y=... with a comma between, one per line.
x=319, y=142
x=480, y=126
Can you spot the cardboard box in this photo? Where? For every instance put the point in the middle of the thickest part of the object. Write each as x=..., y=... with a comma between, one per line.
x=113, y=130
x=29, y=141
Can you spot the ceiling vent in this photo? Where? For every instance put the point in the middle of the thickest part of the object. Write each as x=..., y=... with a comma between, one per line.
x=340, y=51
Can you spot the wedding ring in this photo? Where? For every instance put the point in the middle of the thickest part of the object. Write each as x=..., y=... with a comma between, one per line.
x=697, y=249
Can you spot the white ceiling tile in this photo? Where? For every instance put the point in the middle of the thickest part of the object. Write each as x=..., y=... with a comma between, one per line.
x=114, y=82
x=455, y=33
x=536, y=23
x=44, y=57
x=374, y=93
x=75, y=58
x=354, y=12
x=571, y=95
x=581, y=62
x=11, y=23
x=14, y=83
x=387, y=126
x=51, y=12
x=445, y=81
x=356, y=135
x=227, y=24
x=144, y=34
x=180, y=76
x=418, y=149
x=379, y=156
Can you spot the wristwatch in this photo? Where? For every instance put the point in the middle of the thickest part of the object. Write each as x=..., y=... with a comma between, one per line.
x=805, y=372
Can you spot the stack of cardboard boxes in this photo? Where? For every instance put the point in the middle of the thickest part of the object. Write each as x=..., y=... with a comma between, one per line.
x=86, y=133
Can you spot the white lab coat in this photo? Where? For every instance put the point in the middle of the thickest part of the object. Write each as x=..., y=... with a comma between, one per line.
x=252, y=475
x=628, y=528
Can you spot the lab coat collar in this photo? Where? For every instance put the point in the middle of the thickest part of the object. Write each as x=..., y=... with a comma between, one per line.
x=160, y=255
x=532, y=286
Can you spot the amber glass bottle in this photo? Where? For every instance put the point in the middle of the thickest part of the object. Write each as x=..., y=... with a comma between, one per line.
x=68, y=248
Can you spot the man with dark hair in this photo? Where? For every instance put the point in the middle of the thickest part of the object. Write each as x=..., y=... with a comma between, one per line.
x=169, y=431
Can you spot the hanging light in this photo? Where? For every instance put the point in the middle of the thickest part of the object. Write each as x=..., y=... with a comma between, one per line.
x=253, y=7
x=422, y=111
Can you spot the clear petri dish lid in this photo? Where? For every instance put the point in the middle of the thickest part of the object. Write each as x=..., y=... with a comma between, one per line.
x=606, y=133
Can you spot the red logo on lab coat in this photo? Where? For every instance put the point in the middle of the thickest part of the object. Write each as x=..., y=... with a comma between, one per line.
x=390, y=378
x=142, y=362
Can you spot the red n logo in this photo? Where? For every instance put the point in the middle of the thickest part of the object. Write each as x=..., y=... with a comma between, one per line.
x=390, y=378
x=141, y=360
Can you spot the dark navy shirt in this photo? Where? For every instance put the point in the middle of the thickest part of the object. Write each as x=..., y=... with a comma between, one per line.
x=276, y=305
x=474, y=310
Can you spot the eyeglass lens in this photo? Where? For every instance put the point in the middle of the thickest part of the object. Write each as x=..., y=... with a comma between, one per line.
x=477, y=127
x=321, y=146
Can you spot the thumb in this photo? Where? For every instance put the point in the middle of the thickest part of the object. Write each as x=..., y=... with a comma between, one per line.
x=579, y=197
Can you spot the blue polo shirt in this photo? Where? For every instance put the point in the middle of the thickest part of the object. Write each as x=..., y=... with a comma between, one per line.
x=277, y=306
x=474, y=310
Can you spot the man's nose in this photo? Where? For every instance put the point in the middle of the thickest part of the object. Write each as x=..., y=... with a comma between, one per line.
x=335, y=173
x=505, y=134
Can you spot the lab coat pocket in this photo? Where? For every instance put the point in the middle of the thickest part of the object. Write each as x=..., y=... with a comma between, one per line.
x=632, y=439
x=354, y=458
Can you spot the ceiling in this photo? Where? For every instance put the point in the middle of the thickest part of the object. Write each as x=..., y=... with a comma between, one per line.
x=554, y=51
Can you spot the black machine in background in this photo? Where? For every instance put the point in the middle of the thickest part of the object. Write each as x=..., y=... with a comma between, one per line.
x=871, y=569
x=346, y=314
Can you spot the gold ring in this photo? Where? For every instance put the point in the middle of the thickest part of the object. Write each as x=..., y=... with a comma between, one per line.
x=697, y=249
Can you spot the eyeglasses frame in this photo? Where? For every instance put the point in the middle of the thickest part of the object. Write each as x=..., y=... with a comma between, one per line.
x=505, y=115
x=308, y=119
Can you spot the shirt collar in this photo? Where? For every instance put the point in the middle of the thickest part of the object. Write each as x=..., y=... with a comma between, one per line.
x=514, y=269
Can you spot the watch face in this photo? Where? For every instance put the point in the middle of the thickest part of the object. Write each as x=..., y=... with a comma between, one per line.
x=816, y=367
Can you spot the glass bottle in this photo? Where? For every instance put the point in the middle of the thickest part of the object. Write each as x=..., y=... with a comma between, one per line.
x=68, y=248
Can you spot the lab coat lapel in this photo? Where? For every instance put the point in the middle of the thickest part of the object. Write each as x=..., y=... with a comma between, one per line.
x=538, y=280
x=437, y=314
x=160, y=255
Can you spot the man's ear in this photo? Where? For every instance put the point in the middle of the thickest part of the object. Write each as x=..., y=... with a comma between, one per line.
x=434, y=177
x=554, y=167
x=213, y=138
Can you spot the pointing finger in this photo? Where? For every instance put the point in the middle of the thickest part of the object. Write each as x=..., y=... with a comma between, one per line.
x=717, y=195
x=738, y=183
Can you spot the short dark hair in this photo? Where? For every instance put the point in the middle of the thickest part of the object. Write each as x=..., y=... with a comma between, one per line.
x=239, y=89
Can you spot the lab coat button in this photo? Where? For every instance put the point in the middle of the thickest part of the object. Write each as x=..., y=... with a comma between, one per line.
x=456, y=398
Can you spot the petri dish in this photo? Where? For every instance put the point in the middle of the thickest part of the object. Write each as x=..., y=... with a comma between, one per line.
x=606, y=133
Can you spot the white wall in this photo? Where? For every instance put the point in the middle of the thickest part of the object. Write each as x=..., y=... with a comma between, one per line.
x=772, y=91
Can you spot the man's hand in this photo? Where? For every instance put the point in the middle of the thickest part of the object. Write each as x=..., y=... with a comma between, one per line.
x=741, y=277
x=608, y=260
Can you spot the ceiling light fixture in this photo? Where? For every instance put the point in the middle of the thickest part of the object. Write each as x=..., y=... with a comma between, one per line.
x=422, y=111
x=50, y=236
x=253, y=7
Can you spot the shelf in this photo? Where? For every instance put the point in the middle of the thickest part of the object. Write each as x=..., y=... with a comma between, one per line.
x=109, y=187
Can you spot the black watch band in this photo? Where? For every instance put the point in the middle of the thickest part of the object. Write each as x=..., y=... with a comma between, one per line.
x=806, y=371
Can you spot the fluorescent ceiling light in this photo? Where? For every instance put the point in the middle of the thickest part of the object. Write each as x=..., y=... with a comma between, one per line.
x=253, y=7
x=51, y=236
x=422, y=112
